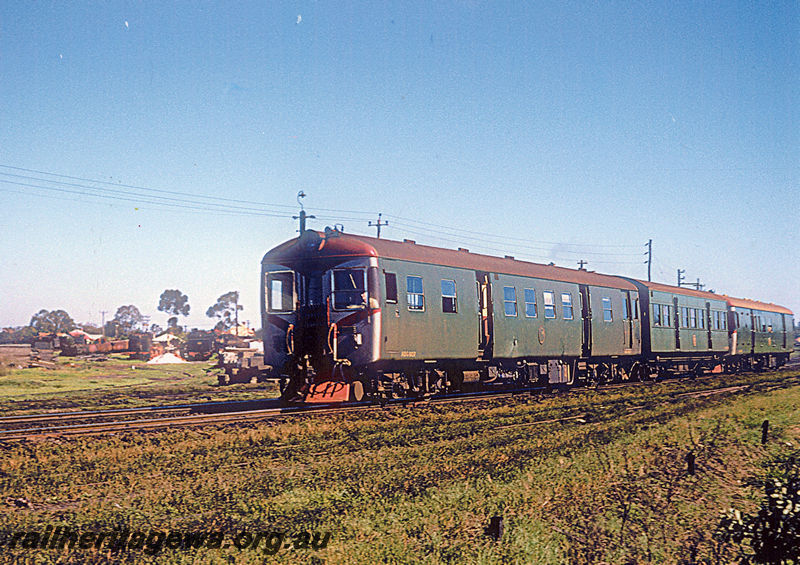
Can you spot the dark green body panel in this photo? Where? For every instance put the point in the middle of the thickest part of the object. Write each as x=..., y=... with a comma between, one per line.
x=762, y=332
x=620, y=336
x=430, y=333
x=524, y=336
x=692, y=340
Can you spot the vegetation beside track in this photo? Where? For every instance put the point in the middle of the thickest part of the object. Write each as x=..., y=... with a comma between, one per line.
x=589, y=476
x=116, y=383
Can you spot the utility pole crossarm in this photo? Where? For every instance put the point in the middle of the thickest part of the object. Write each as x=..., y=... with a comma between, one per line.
x=378, y=225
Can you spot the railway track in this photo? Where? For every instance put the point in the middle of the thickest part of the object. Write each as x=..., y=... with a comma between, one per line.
x=39, y=426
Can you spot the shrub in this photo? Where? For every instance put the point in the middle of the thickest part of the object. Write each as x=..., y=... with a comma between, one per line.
x=773, y=533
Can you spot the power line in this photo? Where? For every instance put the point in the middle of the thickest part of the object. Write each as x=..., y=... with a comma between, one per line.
x=461, y=230
x=155, y=190
x=232, y=206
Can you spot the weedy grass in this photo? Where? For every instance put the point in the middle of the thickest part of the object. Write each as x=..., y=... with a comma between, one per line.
x=116, y=382
x=585, y=477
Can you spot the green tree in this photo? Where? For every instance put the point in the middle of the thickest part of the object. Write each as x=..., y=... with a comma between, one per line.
x=52, y=322
x=174, y=302
x=226, y=310
x=127, y=319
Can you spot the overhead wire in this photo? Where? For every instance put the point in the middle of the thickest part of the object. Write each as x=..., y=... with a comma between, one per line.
x=109, y=191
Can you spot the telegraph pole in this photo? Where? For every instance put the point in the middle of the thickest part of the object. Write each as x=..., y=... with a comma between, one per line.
x=303, y=216
x=581, y=263
x=680, y=276
x=103, y=323
x=649, y=254
x=378, y=225
x=696, y=285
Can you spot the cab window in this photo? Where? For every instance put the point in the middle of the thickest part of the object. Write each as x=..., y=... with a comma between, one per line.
x=349, y=289
x=280, y=291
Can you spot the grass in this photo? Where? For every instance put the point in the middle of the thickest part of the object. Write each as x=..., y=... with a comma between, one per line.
x=116, y=382
x=419, y=485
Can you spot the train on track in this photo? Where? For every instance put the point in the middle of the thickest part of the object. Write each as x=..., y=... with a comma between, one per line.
x=350, y=317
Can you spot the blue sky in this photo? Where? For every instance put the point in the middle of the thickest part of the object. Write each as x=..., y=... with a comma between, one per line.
x=564, y=130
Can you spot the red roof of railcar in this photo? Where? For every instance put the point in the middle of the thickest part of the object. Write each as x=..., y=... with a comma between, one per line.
x=756, y=305
x=738, y=302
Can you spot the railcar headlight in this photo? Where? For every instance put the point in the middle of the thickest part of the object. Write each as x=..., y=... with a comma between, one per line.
x=358, y=339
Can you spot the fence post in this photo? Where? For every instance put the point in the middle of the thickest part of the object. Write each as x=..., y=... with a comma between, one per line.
x=690, y=463
x=495, y=529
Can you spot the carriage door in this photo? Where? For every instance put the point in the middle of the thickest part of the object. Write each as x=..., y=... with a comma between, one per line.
x=627, y=322
x=708, y=324
x=484, y=314
x=586, y=314
x=676, y=322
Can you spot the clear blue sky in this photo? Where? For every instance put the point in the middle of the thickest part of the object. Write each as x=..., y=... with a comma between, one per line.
x=568, y=130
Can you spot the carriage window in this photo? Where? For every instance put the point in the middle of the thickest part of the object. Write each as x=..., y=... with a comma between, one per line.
x=656, y=314
x=414, y=294
x=626, y=308
x=280, y=291
x=549, y=304
x=608, y=315
x=391, y=287
x=449, y=296
x=684, y=317
x=635, y=308
x=349, y=289
x=530, y=303
x=692, y=317
x=666, y=318
x=566, y=306
x=510, y=300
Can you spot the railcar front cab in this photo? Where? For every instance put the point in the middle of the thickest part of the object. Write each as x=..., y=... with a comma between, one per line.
x=322, y=320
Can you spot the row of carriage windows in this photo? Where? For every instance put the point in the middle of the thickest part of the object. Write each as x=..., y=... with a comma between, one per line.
x=349, y=292
x=415, y=298
x=531, y=309
x=694, y=318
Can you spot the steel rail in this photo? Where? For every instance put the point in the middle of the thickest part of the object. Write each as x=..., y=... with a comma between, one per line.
x=98, y=428
x=87, y=414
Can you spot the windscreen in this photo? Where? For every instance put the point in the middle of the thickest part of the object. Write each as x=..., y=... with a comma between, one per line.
x=349, y=289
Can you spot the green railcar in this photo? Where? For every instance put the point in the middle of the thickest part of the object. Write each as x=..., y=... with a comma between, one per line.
x=761, y=333
x=348, y=315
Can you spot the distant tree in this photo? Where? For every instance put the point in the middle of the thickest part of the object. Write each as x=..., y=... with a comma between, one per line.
x=156, y=329
x=226, y=310
x=51, y=322
x=127, y=319
x=91, y=329
x=24, y=334
x=174, y=302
